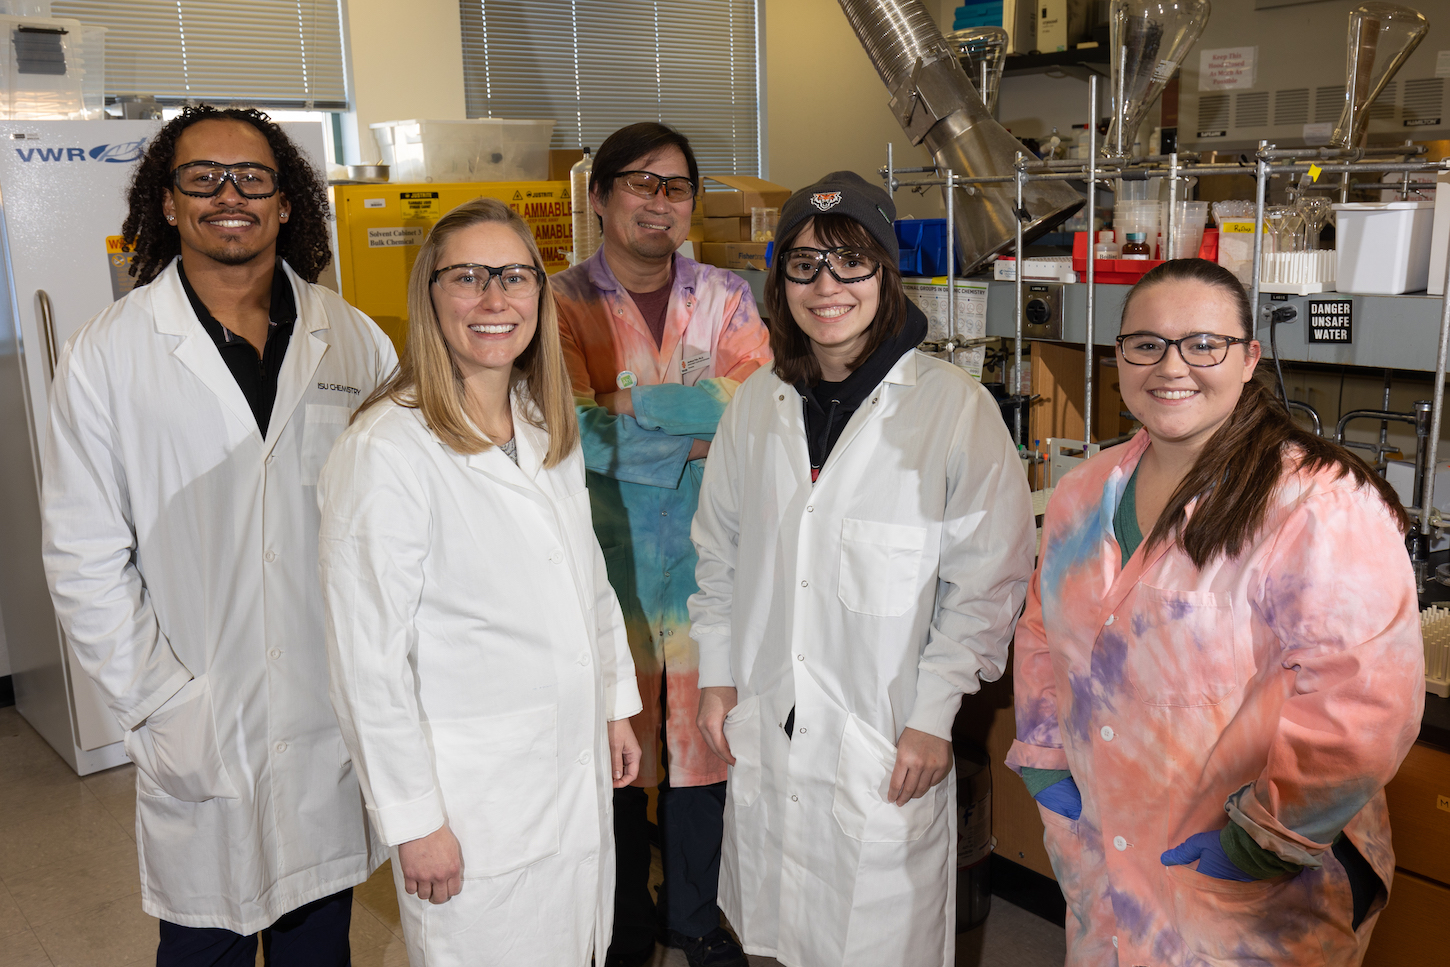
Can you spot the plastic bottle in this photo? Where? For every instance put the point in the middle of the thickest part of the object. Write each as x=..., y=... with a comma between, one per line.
x=1136, y=247
x=586, y=223
x=1107, y=247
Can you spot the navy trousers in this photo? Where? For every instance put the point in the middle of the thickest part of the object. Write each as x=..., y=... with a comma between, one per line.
x=314, y=935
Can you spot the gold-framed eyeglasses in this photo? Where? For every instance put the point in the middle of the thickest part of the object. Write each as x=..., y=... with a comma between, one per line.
x=469, y=280
x=205, y=179
x=1200, y=349
x=647, y=184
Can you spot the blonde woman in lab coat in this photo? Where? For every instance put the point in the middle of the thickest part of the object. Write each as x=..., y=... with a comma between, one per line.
x=480, y=669
x=865, y=539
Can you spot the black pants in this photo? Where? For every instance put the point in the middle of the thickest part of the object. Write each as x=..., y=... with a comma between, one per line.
x=310, y=936
x=692, y=824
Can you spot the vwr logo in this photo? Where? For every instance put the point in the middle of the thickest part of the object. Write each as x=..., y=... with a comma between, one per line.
x=113, y=153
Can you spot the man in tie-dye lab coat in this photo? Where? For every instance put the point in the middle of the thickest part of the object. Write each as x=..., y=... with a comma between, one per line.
x=1231, y=726
x=656, y=345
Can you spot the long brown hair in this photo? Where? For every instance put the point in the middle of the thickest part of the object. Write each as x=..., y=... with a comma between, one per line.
x=1241, y=466
x=428, y=379
x=794, y=361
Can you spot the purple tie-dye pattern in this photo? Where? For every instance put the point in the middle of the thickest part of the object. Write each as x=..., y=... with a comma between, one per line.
x=1291, y=672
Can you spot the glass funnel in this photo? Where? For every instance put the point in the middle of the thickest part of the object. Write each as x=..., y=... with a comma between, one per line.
x=1149, y=39
x=982, y=49
x=1381, y=37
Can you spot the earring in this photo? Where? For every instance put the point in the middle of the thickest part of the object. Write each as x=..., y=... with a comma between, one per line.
x=283, y=216
x=171, y=219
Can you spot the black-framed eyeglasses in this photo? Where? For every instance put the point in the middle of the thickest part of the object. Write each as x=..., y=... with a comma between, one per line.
x=647, y=184
x=468, y=280
x=204, y=179
x=801, y=265
x=1201, y=349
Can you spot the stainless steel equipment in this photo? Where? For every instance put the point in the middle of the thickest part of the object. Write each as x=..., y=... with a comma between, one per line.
x=1149, y=39
x=983, y=51
x=1381, y=38
x=937, y=106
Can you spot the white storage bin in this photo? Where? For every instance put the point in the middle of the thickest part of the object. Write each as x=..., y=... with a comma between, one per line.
x=1383, y=247
x=480, y=149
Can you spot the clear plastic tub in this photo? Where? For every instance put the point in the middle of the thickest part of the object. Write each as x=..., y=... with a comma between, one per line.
x=479, y=149
x=1383, y=247
x=1189, y=218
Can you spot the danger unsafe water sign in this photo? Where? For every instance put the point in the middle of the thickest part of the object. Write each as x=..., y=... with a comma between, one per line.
x=1331, y=321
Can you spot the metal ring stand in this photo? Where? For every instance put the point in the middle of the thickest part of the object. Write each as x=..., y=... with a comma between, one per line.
x=1269, y=161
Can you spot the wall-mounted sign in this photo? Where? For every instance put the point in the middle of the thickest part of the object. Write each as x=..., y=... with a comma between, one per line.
x=1331, y=321
x=1227, y=68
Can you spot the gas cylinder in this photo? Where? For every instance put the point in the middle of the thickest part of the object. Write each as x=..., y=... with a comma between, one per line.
x=974, y=838
x=586, y=223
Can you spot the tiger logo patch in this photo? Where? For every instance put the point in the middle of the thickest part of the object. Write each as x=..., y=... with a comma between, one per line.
x=826, y=200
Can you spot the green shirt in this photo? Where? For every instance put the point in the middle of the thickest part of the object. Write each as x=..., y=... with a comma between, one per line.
x=1125, y=519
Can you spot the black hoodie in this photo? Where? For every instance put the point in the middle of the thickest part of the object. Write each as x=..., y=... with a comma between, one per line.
x=828, y=406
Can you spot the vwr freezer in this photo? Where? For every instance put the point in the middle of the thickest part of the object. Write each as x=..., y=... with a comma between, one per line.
x=62, y=202
x=379, y=229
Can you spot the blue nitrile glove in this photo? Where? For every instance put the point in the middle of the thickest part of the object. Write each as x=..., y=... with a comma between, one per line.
x=1063, y=798
x=1212, y=860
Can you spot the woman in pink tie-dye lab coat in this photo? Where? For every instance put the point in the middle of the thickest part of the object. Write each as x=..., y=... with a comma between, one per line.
x=1208, y=716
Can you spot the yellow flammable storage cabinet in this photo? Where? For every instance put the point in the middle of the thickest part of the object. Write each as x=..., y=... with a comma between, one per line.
x=380, y=227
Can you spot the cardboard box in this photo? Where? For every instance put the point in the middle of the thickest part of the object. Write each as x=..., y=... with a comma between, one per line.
x=740, y=194
x=561, y=160
x=734, y=255
x=735, y=228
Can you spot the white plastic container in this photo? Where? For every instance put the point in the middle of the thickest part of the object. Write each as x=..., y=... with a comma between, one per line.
x=1383, y=247
x=479, y=149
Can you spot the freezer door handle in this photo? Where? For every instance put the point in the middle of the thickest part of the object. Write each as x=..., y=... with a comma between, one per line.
x=47, y=325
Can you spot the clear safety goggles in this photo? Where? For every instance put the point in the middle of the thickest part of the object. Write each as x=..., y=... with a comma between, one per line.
x=469, y=280
x=204, y=179
x=802, y=265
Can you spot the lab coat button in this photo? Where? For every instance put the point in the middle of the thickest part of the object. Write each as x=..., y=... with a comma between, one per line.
x=803, y=731
x=585, y=757
x=805, y=584
x=271, y=458
x=800, y=657
x=556, y=558
x=1111, y=619
x=810, y=510
x=275, y=653
x=1107, y=733
x=271, y=556
x=795, y=799
x=1119, y=843
x=664, y=513
x=1115, y=939
x=584, y=659
x=281, y=746
x=671, y=632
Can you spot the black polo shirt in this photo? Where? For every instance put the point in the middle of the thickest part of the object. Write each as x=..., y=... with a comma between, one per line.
x=255, y=375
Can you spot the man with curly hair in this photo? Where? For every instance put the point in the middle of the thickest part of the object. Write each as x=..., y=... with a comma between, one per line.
x=187, y=426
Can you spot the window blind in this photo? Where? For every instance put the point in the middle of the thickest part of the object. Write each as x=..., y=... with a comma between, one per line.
x=596, y=65
x=271, y=53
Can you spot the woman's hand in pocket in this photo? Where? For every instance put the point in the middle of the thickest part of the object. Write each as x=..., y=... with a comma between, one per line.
x=433, y=865
x=922, y=761
x=716, y=703
x=623, y=753
x=1207, y=849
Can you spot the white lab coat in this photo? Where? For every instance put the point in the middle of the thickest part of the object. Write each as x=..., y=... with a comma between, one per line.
x=181, y=550
x=477, y=650
x=871, y=602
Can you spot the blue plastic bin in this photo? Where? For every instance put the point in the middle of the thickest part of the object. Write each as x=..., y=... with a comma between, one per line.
x=923, y=244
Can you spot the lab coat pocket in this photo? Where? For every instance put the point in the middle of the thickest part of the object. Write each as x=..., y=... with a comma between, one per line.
x=863, y=776
x=176, y=748
x=1181, y=648
x=742, y=731
x=879, y=566
x=320, y=430
x=500, y=781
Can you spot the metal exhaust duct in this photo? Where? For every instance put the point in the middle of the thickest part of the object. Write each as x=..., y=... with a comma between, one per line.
x=938, y=106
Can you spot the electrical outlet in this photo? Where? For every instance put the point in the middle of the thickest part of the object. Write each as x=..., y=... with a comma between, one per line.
x=1443, y=802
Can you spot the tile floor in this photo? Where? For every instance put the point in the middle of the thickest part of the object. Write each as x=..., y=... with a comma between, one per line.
x=70, y=889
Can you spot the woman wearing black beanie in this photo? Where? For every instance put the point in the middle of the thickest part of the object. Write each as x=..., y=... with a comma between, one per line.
x=865, y=538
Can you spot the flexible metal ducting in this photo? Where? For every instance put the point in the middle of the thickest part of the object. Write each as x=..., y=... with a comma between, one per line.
x=936, y=105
